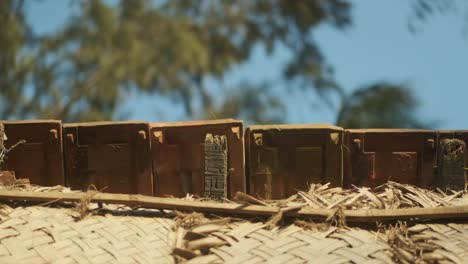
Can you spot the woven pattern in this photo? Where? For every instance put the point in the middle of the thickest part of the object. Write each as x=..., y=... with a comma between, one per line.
x=51, y=235
x=37, y=234
x=251, y=243
x=432, y=243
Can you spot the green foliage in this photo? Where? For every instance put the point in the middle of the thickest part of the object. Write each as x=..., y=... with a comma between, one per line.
x=379, y=106
x=15, y=62
x=251, y=103
x=424, y=10
x=169, y=48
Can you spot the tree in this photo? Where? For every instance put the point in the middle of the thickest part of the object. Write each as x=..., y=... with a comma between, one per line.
x=386, y=105
x=251, y=103
x=15, y=60
x=423, y=10
x=381, y=105
x=169, y=48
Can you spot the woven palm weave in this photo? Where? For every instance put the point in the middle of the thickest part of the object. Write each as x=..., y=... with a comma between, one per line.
x=250, y=243
x=37, y=234
x=430, y=243
x=72, y=233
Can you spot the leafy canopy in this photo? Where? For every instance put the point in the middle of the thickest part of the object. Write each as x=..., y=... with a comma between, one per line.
x=171, y=48
x=83, y=71
x=380, y=105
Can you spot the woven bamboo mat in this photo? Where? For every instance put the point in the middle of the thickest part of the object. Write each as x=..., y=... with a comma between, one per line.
x=37, y=234
x=298, y=243
x=71, y=233
x=429, y=243
x=250, y=243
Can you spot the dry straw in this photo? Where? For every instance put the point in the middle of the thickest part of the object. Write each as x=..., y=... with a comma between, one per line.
x=116, y=233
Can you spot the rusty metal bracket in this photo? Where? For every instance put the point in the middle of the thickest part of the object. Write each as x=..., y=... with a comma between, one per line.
x=159, y=136
x=216, y=166
x=430, y=143
x=53, y=134
x=452, y=164
x=357, y=144
x=236, y=131
x=70, y=138
x=258, y=139
x=142, y=134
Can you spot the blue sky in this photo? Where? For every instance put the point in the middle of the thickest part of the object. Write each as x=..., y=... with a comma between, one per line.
x=378, y=47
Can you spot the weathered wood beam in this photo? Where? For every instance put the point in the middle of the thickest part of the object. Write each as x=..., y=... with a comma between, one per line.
x=359, y=215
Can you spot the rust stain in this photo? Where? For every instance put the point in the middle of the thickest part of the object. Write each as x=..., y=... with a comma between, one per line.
x=285, y=158
x=216, y=166
x=40, y=158
x=174, y=158
x=113, y=156
x=452, y=160
x=178, y=154
x=379, y=155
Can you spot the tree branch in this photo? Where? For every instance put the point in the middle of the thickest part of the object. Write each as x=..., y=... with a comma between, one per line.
x=60, y=112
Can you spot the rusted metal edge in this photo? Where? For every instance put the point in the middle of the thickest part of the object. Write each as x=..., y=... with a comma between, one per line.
x=390, y=130
x=32, y=121
x=294, y=127
x=197, y=123
x=454, y=132
x=370, y=215
x=104, y=123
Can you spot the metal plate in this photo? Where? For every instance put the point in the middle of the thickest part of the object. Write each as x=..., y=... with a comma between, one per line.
x=282, y=159
x=112, y=156
x=452, y=134
x=375, y=156
x=178, y=156
x=40, y=159
x=458, y=134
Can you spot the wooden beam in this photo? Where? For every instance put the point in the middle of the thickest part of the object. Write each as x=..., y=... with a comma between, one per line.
x=360, y=215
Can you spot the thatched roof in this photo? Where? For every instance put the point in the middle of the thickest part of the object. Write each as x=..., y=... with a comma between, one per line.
x=84, y=232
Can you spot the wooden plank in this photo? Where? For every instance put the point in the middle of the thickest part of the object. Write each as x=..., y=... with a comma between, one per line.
x=150, y=202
